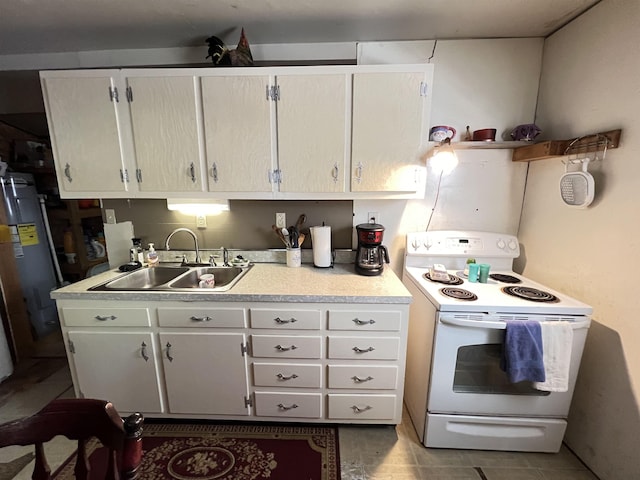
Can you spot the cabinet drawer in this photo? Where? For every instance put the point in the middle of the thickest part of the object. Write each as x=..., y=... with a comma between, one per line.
x=362, y=407
x=106, y=317
x=367, y=320
x=285, y=319
x=304, y=405
x=201, y=317
x=364, y=348
x=284, y=346
x=287, y=375
x=363, y=377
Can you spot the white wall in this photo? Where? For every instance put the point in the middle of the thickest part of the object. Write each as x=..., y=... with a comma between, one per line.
x=483, y=84
x=590, y=83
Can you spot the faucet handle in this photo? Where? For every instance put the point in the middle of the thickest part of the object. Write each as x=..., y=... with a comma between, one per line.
x=212, y=261
x=183, y=257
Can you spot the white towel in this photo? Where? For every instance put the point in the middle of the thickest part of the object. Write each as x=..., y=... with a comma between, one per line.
x=557, y=340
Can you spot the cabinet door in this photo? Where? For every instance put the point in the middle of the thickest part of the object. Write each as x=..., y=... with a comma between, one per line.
x=164, y=120
x=119, y=367
x=312, y=129
x=388, y=115
x=205, y=373
x=83, y=124
x=237, y=125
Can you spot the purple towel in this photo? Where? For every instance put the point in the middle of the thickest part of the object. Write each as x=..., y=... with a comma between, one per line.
x=522, y=352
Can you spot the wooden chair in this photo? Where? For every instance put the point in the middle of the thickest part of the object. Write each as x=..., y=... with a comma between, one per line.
x=81, y=419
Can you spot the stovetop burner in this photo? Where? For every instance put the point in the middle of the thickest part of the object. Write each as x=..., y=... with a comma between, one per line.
x=459, y=293
x=504, y=278
x=528, y=293
x=453, y=280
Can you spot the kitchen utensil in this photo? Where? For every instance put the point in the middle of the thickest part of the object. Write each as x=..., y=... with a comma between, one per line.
x=301, y=220
x=440, y=132
x=577, y=188
x=484, y=135
x=321, y=243
x=280, y=235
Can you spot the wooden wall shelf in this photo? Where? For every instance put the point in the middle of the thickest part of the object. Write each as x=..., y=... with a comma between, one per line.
x=558, y=148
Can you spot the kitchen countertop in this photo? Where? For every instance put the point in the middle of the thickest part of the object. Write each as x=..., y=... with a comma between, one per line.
x=266, y=282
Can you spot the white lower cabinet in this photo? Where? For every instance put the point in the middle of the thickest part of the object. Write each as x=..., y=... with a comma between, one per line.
x=120, y=367
x=325, y=363
x=205, y=373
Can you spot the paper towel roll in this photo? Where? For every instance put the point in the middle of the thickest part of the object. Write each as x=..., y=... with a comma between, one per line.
x=321, y=244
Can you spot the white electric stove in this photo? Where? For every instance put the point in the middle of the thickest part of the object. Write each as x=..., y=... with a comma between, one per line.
x=455, y=392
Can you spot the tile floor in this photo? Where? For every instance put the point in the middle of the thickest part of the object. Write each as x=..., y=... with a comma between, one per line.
x=367, y=452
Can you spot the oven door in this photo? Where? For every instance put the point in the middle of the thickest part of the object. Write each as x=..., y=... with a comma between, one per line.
x=466, y=374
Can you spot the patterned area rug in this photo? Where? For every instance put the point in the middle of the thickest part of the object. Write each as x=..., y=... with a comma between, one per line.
x=229, y=452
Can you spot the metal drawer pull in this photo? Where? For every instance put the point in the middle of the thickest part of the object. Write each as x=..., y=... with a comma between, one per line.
x=286, y=377
x=67, y=172
x=104, y=319
x=285, y=349
x=357, y=409
x=169, y=357
x=281, y=321
x=361, y=350
x=357, y=321
x=192, y=172
x=357, y=379
x=284, y=407
x=206, y=318
x=143, y=352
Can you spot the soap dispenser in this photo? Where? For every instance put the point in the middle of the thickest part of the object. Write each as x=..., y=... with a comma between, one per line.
x=152, y=256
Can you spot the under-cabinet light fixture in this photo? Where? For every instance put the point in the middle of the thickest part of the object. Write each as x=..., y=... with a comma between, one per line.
x=198, y=207
x=443, y=158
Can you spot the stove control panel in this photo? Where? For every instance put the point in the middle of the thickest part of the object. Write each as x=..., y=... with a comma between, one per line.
x=463, y=243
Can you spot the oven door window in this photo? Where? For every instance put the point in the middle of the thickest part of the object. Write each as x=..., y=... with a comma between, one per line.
x=478, y=371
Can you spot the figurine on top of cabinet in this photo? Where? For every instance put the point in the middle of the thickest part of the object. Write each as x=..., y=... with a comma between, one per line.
x=222, y=56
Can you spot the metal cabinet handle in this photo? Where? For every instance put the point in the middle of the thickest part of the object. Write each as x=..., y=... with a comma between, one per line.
x=359, y=169
x=281, y=321
x=286, y=377
x=361, y=350
x=335, y=173
x=357, y=321
x=357, y=379
x=104, y=319
x=285, y=349
x=284, y=407
x=143, y=352
x=67, y=172
x=214, y=172
x=357, y=409
x=206, y=318
x=168, y=353
x=192, y=172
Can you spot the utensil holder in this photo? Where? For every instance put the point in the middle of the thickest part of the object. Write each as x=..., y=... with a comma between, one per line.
x=294, y=257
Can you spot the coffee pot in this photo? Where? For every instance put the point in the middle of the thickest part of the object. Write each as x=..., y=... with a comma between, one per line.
x=371, y=255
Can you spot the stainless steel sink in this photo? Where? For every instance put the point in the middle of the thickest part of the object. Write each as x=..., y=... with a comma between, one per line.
x=174, y=279
x=225, y=278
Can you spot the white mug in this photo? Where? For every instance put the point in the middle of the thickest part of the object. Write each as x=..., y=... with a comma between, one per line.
x=207, y=280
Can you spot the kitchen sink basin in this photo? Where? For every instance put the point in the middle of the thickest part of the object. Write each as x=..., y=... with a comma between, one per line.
x=225, y=278
x=174, y=279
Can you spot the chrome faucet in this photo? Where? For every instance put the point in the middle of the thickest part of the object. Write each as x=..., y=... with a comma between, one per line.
x=225, y=257
x=195, y=241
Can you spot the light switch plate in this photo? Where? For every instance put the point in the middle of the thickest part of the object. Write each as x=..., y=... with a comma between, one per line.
x=201, y=221
x=110, y=215
x=281, y=220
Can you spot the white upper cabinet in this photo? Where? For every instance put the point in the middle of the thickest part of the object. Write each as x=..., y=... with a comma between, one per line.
x=312, y=122
x=166, y=139
x=389, y=126
x=331, y=132
x=82, y=112
x=237, y=131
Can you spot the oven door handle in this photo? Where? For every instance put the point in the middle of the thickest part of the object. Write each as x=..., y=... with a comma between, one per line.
x=497, y=325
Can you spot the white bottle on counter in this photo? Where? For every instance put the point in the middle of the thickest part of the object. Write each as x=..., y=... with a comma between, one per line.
x=152, y=256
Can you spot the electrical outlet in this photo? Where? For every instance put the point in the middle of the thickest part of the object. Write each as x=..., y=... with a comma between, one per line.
x=110, y=215
x=201, y=221
x=281, y=220
x=372, y=217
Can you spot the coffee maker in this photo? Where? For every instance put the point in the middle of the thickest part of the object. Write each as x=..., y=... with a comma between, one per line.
x=371, y=254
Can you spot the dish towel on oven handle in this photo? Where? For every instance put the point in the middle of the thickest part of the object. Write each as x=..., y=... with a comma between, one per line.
x=557, y=340
x=522, y=351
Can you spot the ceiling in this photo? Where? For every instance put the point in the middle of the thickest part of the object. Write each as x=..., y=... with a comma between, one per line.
x=43, y=26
